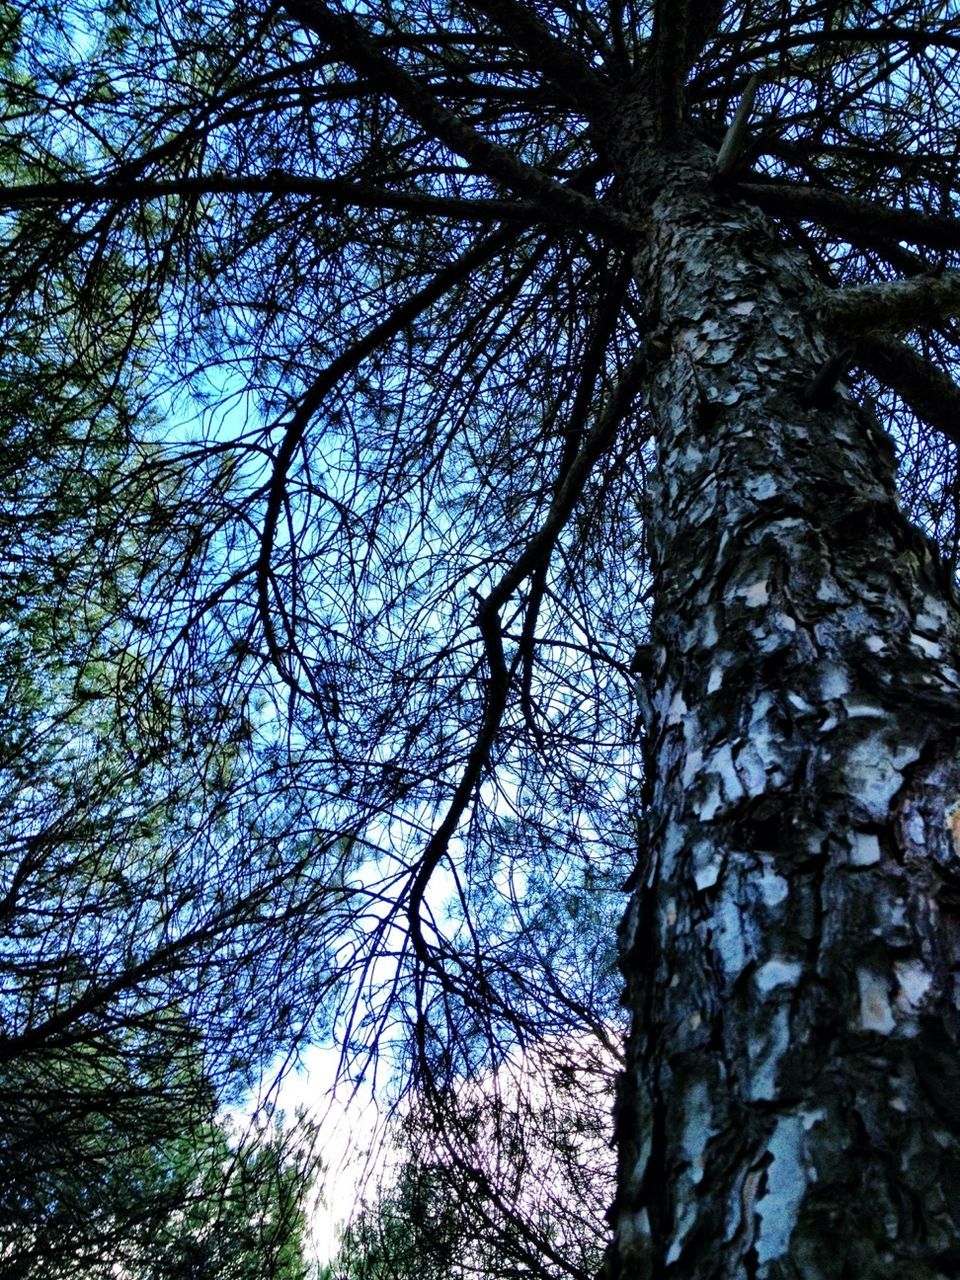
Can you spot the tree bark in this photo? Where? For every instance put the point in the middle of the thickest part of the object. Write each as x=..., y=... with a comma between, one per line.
x=791, y=1102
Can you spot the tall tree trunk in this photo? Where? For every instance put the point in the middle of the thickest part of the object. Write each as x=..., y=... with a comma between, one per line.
x=791, y=1104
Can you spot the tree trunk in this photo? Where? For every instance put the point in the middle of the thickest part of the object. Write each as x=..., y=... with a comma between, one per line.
x=791, y=1103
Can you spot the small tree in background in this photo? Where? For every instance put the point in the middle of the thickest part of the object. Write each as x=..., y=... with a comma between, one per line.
x=510, y=1175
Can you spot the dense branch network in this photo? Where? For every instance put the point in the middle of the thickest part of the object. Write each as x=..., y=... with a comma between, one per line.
x=344, y=298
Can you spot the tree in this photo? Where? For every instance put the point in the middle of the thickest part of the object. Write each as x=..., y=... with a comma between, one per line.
x=508, y=1175
x=515, y=339
x=99, y=1178
x=121, y=942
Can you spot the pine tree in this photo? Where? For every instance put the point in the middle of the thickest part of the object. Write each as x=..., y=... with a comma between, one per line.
x=574, y=407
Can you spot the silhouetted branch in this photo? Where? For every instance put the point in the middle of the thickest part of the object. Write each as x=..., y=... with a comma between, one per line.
x=348, y=39
x=896, y=305
x=932, y=395
x=330, y=192
x=559, y=63
x=321, y=387
x=864, y=221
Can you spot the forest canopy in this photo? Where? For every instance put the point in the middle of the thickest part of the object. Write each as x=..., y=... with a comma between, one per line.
x=330, y=553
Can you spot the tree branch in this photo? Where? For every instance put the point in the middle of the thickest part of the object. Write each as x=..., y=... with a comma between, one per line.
x=928, y=391
x=703, y=20
x=669, y=43
x=495, y=702
x=736, y=136
x=349, y=40
x=593, y=360
x=401, y=316
x=864, y=220
x=329, y=191
x=850, y=41
x=897, y=305
x=681, y=28
x=596, y=443
x=558, y=62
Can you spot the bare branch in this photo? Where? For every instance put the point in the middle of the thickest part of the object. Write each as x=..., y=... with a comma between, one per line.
x=329, y=191
x=864, y=221
x=557, y=62
x=844, y=43
x=352, y=43
x=930, y=393
x=739, y=131
x=896, y=305
x=321, y=387
x=597, y=442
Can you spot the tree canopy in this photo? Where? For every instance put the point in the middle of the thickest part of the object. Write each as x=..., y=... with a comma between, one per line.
x=326, y=582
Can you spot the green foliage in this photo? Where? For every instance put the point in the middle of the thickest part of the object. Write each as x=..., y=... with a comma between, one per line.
x=414, y=1231
x=106, y=1163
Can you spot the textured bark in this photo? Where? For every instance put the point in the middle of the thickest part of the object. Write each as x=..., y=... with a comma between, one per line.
x=791, y=1104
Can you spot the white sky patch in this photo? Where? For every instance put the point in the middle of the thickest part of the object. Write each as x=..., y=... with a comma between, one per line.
x=353, y=1144
x=354, y=1148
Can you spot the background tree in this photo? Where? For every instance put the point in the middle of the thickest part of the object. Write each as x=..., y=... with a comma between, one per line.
x=508, y=1175
x=97, y=1175
x=114, y=1057
x=486, y=343
x=125, y=953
